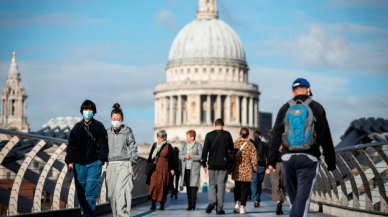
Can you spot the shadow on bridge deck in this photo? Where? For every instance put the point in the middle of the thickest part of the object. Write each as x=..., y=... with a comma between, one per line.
x=177, y=207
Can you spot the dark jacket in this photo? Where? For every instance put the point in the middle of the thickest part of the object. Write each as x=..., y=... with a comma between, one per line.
x=82, y=149
x=323, y=138
x=219, y=154
x=256, y=142
x=171, y=164
x=279, y=153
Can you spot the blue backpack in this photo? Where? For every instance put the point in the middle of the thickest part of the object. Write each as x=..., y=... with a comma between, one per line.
x=299, y=130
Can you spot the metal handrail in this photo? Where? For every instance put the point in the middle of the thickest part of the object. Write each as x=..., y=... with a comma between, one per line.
x=329, y=185
x=32, y=136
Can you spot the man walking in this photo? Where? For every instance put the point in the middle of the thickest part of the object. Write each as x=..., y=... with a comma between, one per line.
x=218, y=143
x=301, y=126
x=262, y=152
x=87, y=151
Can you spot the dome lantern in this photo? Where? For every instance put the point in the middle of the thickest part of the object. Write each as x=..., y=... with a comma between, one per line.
x=207, y=9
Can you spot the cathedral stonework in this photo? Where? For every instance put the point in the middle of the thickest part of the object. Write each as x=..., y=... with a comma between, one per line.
x=206, y=79
x=13, y=101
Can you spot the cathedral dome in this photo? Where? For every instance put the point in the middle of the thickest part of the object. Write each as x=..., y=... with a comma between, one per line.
x=207, y=38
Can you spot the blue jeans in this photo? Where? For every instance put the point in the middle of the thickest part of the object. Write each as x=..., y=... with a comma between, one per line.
x=87, y=182
x=256, y=184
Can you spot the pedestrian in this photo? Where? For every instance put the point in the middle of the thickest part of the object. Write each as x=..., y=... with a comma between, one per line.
x=277, y=181
x=160, y=179
x=301, y=126
x=177, y=172
x=87, y=151
x=262, y=153
x=191, y=163
x=218, y=144
x=242, y=165
x=122, y=158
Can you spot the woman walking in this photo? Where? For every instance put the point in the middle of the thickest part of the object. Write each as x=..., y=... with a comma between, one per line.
x=191, y=163
x=242, y=165
x=177, y=172
x=160, y=180
x=122, y=157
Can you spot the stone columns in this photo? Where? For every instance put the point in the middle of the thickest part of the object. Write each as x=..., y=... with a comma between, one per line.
x=228, y=109
x=244, y=111
x=179, y=112
x=199, y=109
x=165, y=121
x=238, y=110
x=171, y=110
x=218, y=107
x=208, y=109
x=256, y=113
x=188, y=109
x=251, y=112
x=156, y=111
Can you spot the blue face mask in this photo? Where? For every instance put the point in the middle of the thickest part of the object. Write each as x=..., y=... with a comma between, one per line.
x=88, y=114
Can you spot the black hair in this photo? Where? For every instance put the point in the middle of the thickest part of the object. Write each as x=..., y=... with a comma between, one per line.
x=244, y=132
x=117, y=110
x=219, y=122
x=257, y=133
x=87, y=104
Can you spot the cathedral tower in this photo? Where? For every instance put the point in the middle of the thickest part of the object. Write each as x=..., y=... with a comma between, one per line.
x=13, y=101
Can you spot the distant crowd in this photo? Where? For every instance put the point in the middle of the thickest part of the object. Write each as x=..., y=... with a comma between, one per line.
x=291, y=158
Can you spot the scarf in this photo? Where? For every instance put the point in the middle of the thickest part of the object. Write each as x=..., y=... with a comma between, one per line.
x=189, y=149
x=157, y=149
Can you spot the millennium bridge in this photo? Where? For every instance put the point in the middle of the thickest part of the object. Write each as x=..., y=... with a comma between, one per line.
x=358, y=186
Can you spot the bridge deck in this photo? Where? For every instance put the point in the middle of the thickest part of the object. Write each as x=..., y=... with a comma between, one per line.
x=177, y=207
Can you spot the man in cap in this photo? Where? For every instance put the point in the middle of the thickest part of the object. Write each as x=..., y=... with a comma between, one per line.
x=301, y=126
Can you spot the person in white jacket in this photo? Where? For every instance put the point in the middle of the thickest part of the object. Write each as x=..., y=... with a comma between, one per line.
x=122, y=157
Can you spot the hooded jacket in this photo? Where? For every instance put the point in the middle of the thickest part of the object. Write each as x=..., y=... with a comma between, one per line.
x=82, y=149
x=122, y=146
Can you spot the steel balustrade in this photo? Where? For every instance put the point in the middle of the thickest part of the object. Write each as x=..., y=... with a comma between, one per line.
x=138, y=177
x=355, y=161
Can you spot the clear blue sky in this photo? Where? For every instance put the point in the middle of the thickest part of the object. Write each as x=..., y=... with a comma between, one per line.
x=116, y=51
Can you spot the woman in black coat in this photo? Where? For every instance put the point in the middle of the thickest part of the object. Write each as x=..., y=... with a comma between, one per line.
x=160, y=180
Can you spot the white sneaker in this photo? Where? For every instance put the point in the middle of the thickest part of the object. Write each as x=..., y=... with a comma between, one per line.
x=242, y=210
x=236, y=208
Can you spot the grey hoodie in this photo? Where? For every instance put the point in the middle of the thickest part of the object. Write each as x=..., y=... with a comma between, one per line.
x=122, y=146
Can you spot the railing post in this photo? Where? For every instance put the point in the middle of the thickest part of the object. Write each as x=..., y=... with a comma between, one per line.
x=329, y=198
x=368, y=195
x=7, y=148
x=356, y=199
x=58, y=188
x=71, y=196
x=380, y=183
x=332, y=181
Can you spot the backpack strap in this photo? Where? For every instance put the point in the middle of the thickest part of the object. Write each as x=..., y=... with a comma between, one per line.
x=308, y=101
x=241, y=148
x=291, y=102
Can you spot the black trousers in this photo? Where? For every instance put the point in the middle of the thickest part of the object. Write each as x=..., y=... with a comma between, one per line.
x=191, y=191
x=241, y=190
x=176, y=177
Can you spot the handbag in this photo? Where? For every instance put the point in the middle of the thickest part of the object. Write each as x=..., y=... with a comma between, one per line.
x=151, y=166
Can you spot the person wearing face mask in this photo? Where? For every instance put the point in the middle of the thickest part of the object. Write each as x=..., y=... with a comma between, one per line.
x=122, y=158
x=87, y=151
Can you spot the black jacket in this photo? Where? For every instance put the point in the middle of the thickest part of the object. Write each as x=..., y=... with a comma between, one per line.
x=171, y=164
x=82, y=149
x=219, y=154
x=321, y=127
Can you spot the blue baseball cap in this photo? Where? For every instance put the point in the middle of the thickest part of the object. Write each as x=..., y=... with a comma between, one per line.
x=301, y=82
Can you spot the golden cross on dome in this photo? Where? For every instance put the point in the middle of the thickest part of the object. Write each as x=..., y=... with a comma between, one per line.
x=14, y=57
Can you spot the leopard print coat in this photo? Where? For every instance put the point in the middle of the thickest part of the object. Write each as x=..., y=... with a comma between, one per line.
x=243, y=167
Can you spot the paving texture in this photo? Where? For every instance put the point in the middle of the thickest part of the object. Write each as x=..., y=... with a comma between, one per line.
x=177, y=207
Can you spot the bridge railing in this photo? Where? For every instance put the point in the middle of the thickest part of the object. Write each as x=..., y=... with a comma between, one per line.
x=359, y=182
x=59, y=192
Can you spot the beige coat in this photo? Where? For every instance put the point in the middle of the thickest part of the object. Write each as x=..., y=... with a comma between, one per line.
x=243, y=167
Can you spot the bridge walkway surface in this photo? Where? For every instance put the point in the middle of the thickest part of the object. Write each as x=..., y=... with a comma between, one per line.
x=177, y=207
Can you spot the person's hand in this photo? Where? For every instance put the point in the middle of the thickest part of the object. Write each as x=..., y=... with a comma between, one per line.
x=187, y=156
x=70, y=167
x=172, y=172
x=205, y=169
x=270, y=169
x=191, y=156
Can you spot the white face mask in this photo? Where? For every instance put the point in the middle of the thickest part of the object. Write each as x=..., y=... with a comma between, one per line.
x=116, y=124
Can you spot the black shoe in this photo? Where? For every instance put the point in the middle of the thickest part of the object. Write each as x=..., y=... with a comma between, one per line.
x=153, y=207
x=279, y=210
x=193, y=206
x=176, y=196
x=221, y=212
x=210, y=208
x=161, y=206
x=256, y=203
x=190, y=207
